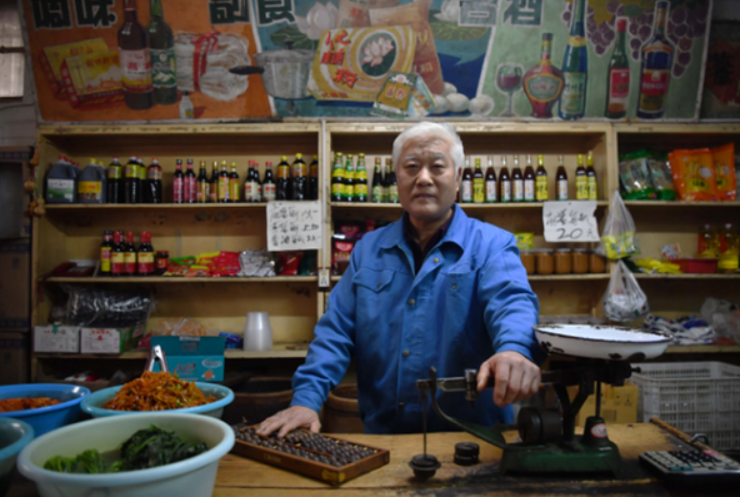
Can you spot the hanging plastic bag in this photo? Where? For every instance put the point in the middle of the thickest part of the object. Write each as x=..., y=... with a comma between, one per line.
x=619, y=238
x=624, y=300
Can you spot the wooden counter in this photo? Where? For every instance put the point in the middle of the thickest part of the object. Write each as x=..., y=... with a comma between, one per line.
x=239, y=477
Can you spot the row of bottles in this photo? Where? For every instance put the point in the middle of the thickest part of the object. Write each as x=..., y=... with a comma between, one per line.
x=722, y=244
x=349, y=180
x=530, y=186
x=122, y=258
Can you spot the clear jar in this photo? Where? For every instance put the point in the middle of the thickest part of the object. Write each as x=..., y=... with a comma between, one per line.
x=580, y=261
x=596, y=263
x=528, y=260
x=545, y=261
x=563, y=261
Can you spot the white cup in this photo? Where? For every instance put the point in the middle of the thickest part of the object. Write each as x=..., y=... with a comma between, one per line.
x=258, y=332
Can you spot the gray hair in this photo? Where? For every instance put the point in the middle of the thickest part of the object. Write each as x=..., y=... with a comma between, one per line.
x=456, y=151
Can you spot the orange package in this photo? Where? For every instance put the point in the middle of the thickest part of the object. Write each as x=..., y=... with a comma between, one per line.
x=676, y=174
x=724, y=171
x=693, y=174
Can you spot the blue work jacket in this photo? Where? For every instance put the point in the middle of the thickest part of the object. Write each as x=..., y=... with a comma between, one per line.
x=470, y=300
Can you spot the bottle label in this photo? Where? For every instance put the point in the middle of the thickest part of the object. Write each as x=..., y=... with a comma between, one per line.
x=506, y=191
x=163, y=68
x=529, y=190
x=518, y=190
x=61, y=189
x=114, y=172
x=177, y=190
x=619, y=85
x=248, y=190
x=141, y=172
x=581, y=188
x=201, y=195
x=361, y=190
x=544, y=88
x=337, y=190
x=223, y=188
x=136, y=70
x=393, y=194
x=377, y=194
x=116, y=262
x=213, y=192
x=90, y=188
x=593, y=191
x=146, y=262
x=188, y=189
x=233, y=189
x=132, y=171
x=467, y=191
x=105, y=260
x=541, y=186
x=479, y=190
x=349, y=192
x=162, y=262
x=573, y=99
x=653, y=90
x=268, y=192
x=154, y=173
x=577, y=41
x=129, y=262
x=563, y=189
x=490, y=191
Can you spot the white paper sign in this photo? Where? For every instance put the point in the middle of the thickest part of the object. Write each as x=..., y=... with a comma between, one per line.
x=570, y=221
x=294, y=226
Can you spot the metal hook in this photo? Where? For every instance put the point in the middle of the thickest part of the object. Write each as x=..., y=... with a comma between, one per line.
x=157, y=354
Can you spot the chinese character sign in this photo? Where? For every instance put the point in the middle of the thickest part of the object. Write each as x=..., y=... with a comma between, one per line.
x=294, y=226
x=570, y=221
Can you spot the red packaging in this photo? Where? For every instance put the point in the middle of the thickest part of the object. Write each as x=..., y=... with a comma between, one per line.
x=289, y=262
x=341, y=250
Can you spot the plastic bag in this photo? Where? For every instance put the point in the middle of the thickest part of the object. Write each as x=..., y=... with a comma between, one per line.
x=693, y=174
x=723, y=316
x=634, y=176
x=624, y=300
x=619, y=238
x=183, y=327
x=98, y=307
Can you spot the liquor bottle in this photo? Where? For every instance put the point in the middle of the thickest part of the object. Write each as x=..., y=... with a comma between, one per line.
x=467, y=183
x=132, y=181
x=479, y=183
x=187, y=109
x=135, y=61
x=105, y=253
x=202, y=185
x=491, y=186
x=115, y=183
x=162, y=48
x=299, y=186
x=360, y=180
x=618, y=81
x=543, y=83
x=561, y=178
x=542, y=193
x=249, y=184
x=313, y=179
x=377, y=196
x=593, y=187
x=234, y=184
x=213, y=184
x=349, y=178
x=141, y=173
x=337, y=179
x=145, y=255
x=116, y=255
x=504, y=182
x=282, y=188
x=256, y=183
x=575, y=67
x=391, y=182
x=581, y=180
x=517, y=182
x=129, y=256
x=153, y=189
x=178, y=183
x=386, y=180
x=529, y=181
x=189, y=188
x=657, y=60
x=223, y=184
x=268, y=184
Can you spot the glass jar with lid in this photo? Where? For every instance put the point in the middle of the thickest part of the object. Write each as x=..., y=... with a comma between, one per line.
x=580, y=261
x=545, y=261
x=563, y=261
x=596, y=262
x=528, y=260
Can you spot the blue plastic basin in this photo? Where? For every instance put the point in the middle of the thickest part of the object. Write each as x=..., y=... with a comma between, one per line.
x=45, y=419
x=14, y=436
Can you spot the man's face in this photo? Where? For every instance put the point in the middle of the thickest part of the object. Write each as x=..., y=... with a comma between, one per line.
x=426, y=176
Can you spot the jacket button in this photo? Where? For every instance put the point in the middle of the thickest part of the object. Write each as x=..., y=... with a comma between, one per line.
x=412, y=302
x=406, y=353
x=454, y=287
x=379, y=284
x=436, y=259
x=401, y=405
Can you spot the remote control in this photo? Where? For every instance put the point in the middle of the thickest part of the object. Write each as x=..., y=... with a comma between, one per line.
x=687, y=467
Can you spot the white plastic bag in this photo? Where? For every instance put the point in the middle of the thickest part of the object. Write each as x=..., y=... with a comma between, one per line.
x=723, y=316
x=624, y=300
x=619, y=238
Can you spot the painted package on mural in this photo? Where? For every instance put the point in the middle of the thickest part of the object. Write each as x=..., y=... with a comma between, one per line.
x=721, y=99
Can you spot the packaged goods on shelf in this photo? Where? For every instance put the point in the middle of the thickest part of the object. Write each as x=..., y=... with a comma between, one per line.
x=724, y=168
x=689, y=330
x=56, y=339
x=109, y=340
x=94, y=306
x=694, y=175
x=634, y=176
x=193, y=358
x=723, y=316
x=256, y=263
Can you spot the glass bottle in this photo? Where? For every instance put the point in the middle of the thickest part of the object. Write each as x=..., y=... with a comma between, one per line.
x=223, y=184
x=162, y=50
x=517, y=181
x=129, y=255
x=542, y=193
x=593, y=186
x=145, y=255
x=213, y=184
x=561, y=179
x=299, y=182
x=153, y=190
x=479, y=183
x=377, y=193
x=361, y=180
x=234, y=184
x=504, y=182
x=337, y=179
x=467, y=182
x=135, y=60
x=313, y=179
x=105, y=253
x=349, y=178
x=202, y=185
x=132, y=181
x=491, y=186
x=581, y=180
x=282, y=187
x=268, y=184
x=189, y=187
x=178, y=183
x=529, y=181
x=391, y=182
x=116, y=255
x=115, y=182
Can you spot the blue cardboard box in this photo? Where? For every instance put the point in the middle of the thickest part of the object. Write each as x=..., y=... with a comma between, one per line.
x=193, y=358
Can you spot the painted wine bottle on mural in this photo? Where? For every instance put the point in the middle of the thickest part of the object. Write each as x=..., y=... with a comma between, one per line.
x=162, y=48
x=618, y=82
x=657, y=60
x=543, y=82
x=136, y=72
x=575, y=67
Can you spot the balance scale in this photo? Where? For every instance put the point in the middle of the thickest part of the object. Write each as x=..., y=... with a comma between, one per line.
x=548, y=443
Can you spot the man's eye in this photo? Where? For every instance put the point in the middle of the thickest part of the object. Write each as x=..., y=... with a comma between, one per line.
x=439, y=166
x=412, y=166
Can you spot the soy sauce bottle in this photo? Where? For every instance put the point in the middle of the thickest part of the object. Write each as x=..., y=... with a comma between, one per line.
x=233, y=184
x=129, y=256
x=529, y=181
x=105, y=253
x=178, y=184
x=213, y=184
x=202, y=185
x=268, y=184
x=313, y=179
x=116, y=255
x=504, y=182
x=115, y=185
x=189, y=184
x=132, y=182
x=145, y=256
x=491, y=186
x=467, y=182
x=517, y=181
x=153, y=189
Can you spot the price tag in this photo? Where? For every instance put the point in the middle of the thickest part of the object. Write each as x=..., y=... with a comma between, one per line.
x=570, y=221
x=294, y=226
x=324, y=279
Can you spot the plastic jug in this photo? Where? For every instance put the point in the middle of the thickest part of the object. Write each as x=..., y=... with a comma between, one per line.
x=61, y=182
x=91, y=184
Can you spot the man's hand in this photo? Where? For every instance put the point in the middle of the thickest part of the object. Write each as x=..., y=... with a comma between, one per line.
x=290, y=419
x=516, y=377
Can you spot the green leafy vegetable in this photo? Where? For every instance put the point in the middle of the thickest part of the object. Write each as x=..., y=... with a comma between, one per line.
x=89, y=462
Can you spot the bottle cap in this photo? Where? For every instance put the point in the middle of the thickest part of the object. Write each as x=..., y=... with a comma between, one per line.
x=298, y=156
x=146, y=237
x=130, y=236
x=155, y=160
x=117, y=237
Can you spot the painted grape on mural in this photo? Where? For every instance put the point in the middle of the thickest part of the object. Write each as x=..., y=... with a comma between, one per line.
x=102, y=60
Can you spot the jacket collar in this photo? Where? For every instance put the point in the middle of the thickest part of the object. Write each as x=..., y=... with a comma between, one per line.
x=455, y=233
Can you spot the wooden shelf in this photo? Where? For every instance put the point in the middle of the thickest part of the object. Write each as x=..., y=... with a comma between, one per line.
x=687, y=276
x=702, y=349
x=476, y=207
x=279, y=350
x=676, y=203
x=176, y=279
x=236, y=205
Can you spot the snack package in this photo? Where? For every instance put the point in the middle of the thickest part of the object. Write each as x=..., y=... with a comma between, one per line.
x=724, y=171
x=289, y=262
x=662, y=177
x=341, y=251
x=693, y=174
x=52, y=58
x=634, y=176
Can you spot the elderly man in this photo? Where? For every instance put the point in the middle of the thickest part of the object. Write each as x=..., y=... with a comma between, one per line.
x=435, y=288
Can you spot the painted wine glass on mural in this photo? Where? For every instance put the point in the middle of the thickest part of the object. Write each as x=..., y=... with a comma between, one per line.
x=509, y=81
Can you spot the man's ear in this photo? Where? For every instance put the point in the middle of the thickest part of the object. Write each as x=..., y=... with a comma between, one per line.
x=458, y=180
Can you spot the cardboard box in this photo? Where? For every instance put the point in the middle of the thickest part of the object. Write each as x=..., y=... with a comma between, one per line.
x=15, y=285
x=618, y=404
x=56, y=339
x=109, y=340
x=15, y=358
x=193, y=358
x=93, y=79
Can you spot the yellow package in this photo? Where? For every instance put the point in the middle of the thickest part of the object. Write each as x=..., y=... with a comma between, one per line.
x=695, y=174
x=724, y=171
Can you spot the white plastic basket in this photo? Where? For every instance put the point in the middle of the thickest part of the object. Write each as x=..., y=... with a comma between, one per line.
x=695, y=397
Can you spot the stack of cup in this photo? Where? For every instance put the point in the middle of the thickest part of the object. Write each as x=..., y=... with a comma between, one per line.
x=258, y=332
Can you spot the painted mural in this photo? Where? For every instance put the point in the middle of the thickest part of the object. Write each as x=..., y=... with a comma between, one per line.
x=132, y=60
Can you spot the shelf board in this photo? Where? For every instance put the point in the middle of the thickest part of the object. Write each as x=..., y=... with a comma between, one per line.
x=550, y=277
x=236, y=205
x=495, y=205
x=279, y=350
x=676, y=203
x=702, y=349
x=177, y=279
x=687, y=276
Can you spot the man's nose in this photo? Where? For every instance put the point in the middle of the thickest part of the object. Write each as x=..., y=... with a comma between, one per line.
x=425, y=177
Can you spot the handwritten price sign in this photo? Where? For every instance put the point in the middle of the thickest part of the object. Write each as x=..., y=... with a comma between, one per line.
x=570, y=221
x=293, y=226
